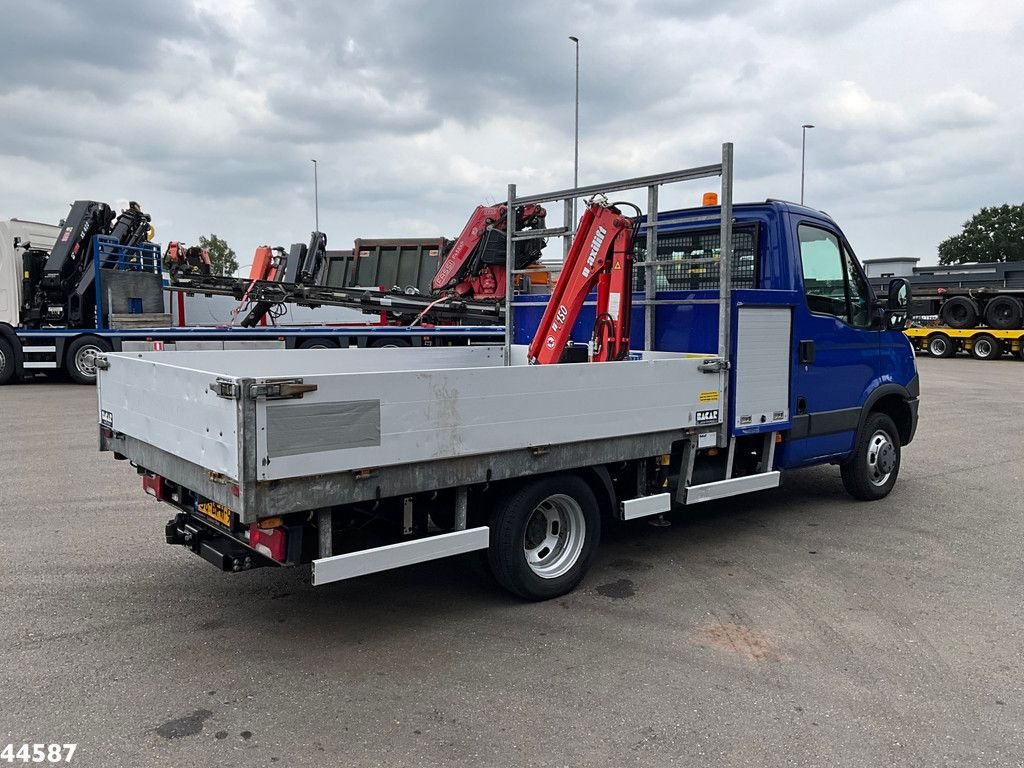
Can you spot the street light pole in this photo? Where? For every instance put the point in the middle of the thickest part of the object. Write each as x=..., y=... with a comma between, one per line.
x=316, y=197
x=576, y=140
x=803, y=158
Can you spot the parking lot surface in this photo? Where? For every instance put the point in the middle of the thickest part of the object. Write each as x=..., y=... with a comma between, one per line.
x=794, y=627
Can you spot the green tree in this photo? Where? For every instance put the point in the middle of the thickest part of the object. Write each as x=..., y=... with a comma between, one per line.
x=222, y=258
x=992, y=234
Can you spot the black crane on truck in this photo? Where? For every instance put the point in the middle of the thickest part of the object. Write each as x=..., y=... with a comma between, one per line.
x=59, y=287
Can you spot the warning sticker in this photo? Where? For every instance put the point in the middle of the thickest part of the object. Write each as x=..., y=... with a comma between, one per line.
x=709, y=397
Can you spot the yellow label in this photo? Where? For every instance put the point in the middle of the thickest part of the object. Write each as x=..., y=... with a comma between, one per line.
x=218, y=512
x=709, y=397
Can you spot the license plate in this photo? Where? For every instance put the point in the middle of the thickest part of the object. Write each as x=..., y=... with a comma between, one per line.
x=215, y=511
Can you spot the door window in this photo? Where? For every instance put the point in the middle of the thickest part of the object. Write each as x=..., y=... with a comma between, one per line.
x=832, y=283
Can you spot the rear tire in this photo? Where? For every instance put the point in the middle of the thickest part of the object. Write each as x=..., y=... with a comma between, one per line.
x=1004, y=313
x=80, y=358
x=317, y=344
x=6, y=362
x=985, y=347
x=387, y=343
x=960, y=312
x=940, y=345
x=544, y=537
x=871, y=472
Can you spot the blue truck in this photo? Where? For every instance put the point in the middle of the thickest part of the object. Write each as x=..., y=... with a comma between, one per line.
x=757, y=347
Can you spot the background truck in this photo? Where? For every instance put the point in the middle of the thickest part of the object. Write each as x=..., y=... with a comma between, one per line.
x=781, y=358
x=96, y=284
x=973, y=308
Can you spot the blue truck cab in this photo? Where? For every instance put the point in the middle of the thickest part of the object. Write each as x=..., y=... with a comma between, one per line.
x=853, y=382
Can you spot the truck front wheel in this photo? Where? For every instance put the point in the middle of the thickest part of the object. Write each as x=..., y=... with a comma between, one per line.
x=544, y=536
x=81, y=358
x=871, y=472
x=6, y=361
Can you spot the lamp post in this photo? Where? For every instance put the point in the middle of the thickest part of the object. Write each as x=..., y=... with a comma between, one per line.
x=316, y=197
x=576, y=140
x=803, y=158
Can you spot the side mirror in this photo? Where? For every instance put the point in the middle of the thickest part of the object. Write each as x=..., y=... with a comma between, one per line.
x=897, y=313
x=899, y=293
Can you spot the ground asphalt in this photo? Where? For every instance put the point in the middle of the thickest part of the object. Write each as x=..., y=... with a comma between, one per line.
x=794, y=627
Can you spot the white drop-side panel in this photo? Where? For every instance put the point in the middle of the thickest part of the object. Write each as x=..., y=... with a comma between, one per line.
x=170, y=407
x=763, y=358
x=426, y=415
x=163, y=398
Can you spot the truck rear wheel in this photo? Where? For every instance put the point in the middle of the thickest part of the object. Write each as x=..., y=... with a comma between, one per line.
x=544, y=536
x=986, y=347
x=940, y=345
x=1004, y=313
x=871, y=472
x=960, y=312
x=80, y=360
x=391, y=343
x=6, y=361
x=317, y=344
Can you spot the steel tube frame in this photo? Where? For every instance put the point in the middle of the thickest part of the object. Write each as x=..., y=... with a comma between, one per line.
x=724, y=288
x=724, y=169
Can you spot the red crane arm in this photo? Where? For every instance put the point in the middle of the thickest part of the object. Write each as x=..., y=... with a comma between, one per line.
x=483, y=218
x=601, y=255
x=475, y=263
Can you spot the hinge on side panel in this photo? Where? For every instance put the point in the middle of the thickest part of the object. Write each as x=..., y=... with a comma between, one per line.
x=280, y=389
x=226, y=388
x=101, y=362
x=715, y=366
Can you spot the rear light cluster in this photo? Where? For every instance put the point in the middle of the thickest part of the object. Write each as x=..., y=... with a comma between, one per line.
x=271, y=542
x=153, y=485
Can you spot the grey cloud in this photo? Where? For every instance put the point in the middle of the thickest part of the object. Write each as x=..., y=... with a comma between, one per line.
x=414, y=108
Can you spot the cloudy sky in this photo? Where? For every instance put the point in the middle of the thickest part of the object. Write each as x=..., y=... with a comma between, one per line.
x=208, y=111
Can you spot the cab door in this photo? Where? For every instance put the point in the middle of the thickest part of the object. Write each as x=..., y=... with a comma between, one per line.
x=837, y=353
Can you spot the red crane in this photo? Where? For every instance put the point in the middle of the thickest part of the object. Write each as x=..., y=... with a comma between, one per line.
x=475, y=263
x=601, y=255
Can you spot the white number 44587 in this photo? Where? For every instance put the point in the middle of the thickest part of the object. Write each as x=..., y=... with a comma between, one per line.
x=38, y=753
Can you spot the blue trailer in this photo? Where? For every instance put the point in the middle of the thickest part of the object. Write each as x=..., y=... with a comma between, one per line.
x=757, y=347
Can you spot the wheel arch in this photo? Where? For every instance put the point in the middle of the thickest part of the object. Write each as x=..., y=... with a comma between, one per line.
x=894, y=401
x=600, y=482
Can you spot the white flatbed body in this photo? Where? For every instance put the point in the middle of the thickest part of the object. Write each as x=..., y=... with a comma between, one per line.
x=366, y=422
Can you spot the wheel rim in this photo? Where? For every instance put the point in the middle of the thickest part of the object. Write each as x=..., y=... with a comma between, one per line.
x=958, y=312
x=938, y=347
x=85, y=360
x=983, y=347
x=881, y=458
x=3, y=360
x=554, y=536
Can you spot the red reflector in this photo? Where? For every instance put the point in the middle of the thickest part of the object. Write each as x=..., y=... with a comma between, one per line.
x=234, y=489
x=153, y=485
x=270, y=542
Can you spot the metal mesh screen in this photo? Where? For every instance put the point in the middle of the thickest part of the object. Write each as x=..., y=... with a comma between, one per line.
x=689, y=260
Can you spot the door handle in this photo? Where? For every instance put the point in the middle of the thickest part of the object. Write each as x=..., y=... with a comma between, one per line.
x=806, y=352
